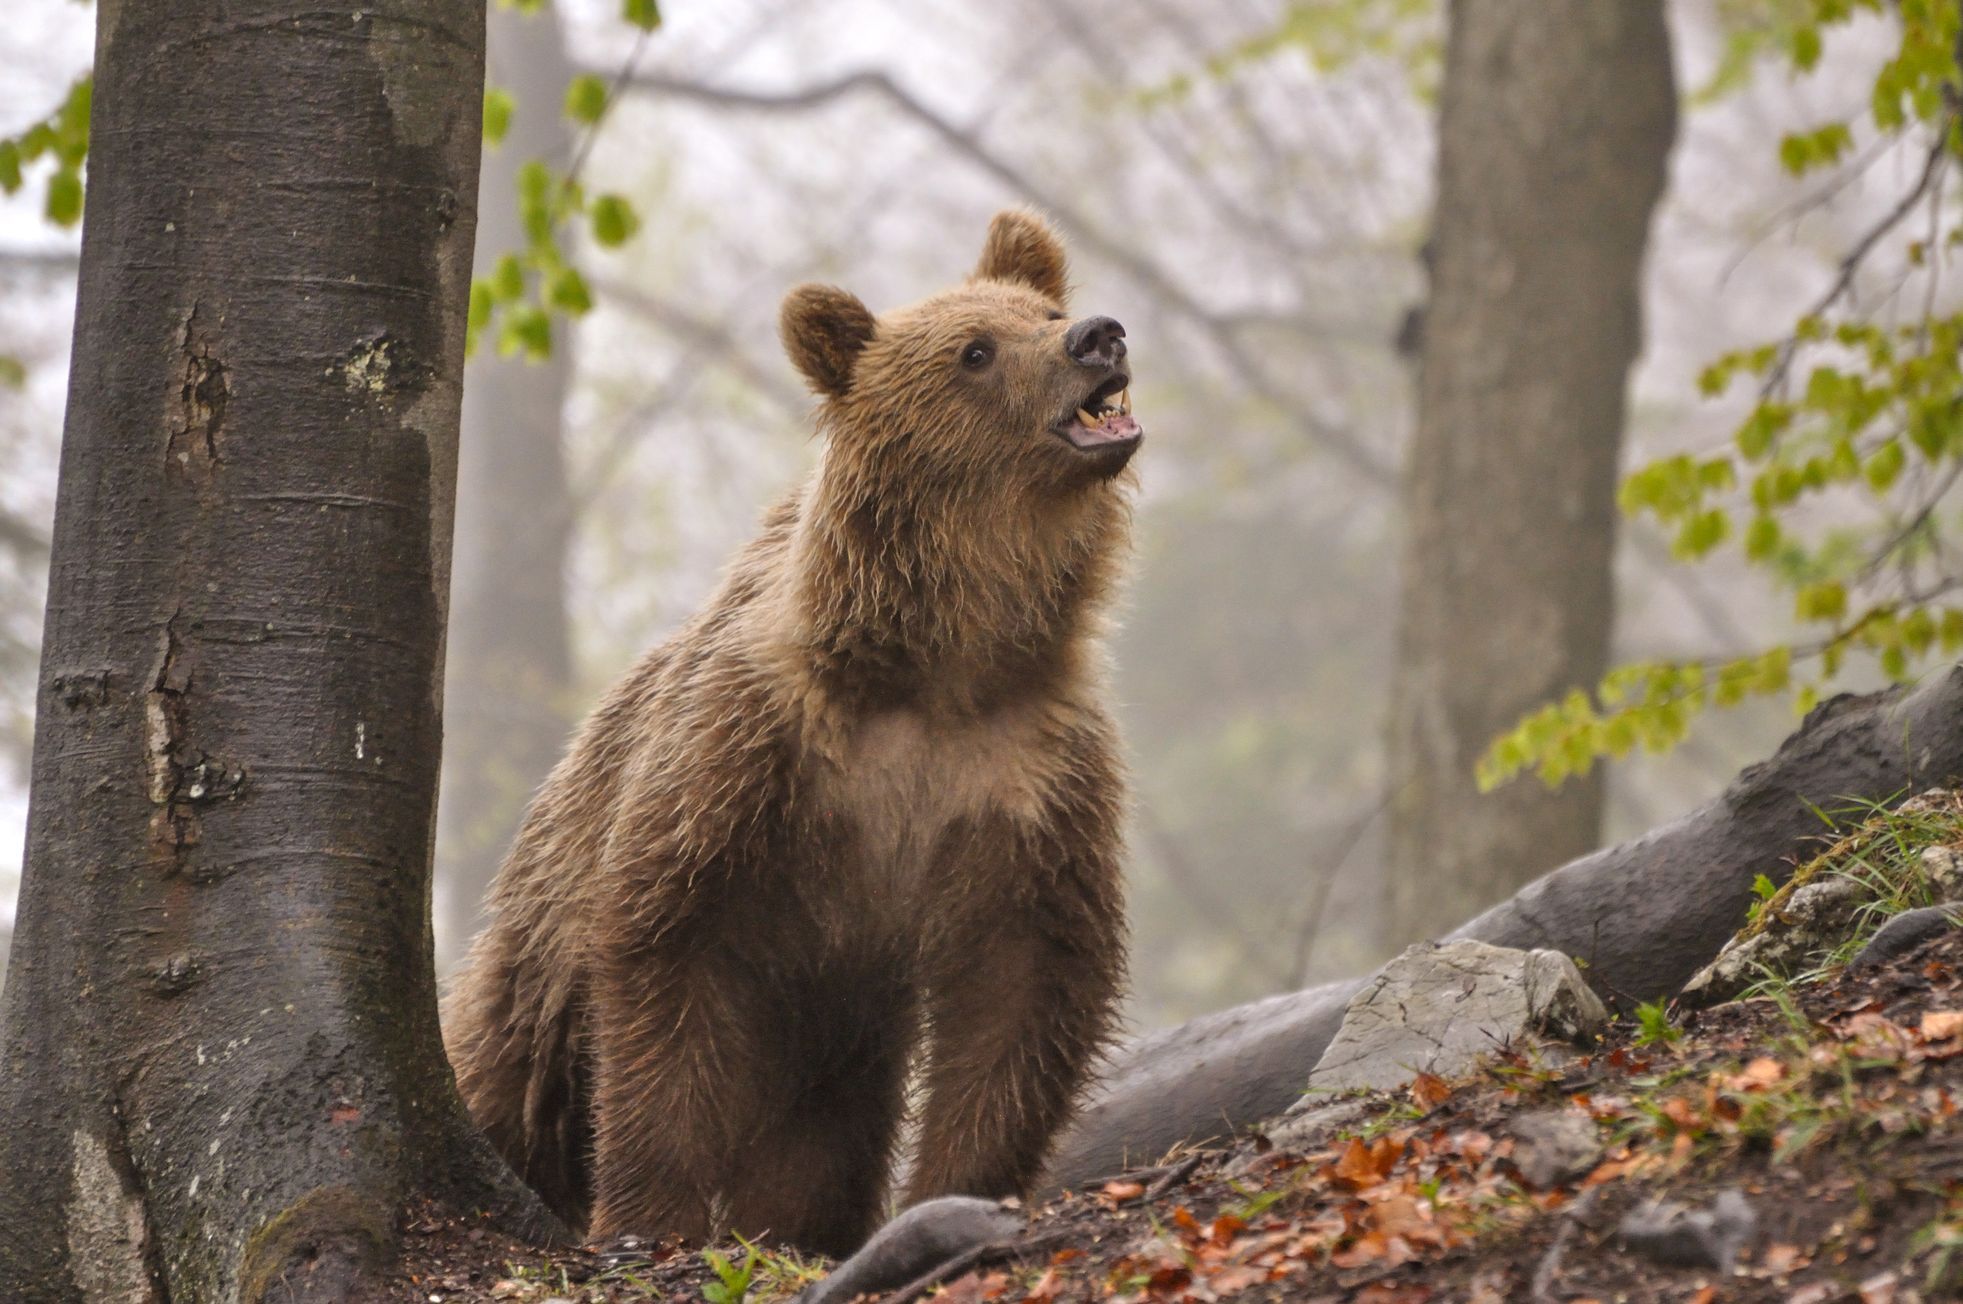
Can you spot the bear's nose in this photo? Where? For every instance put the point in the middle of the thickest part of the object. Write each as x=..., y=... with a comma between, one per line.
x=1096, y=342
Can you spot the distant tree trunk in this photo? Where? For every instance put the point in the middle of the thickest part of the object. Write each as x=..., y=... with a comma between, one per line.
x=222, y=1077
x=510, y=664
x=1555, y=123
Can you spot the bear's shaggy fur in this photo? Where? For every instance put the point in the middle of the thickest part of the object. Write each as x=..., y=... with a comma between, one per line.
x=869, y=798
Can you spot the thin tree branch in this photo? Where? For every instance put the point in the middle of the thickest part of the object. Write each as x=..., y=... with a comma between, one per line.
x=20, y=537
x=1366, y=462
x=41, y=262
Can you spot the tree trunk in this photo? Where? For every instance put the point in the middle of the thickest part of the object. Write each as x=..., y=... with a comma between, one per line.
x=222, y=1075
x=510, y=665
x=1554, y=126
x=1645, y=915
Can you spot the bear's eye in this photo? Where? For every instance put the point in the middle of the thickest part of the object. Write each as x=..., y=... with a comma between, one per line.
x=978, y=354
x=1056, y=316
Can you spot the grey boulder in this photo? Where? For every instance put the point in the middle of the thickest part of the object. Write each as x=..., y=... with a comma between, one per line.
x=1440, y=1006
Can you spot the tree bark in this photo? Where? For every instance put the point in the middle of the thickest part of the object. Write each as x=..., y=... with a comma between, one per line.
x=220, y=1064
x=510, y=662
x=1645, y=915
x=1555, y=123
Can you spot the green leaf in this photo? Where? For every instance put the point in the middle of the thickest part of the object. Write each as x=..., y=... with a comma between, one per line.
x=38, y=140
x=534, y=182
x=498, y=105
x=1884, y=464
x=568, y=293
x=64, y=206
x=508, y=280
x=1805, y=47
x=1762, y=537
x=644, y=14
x=528, y=331
x=614, y=221
x=586, y=98
x=1824, y=600
x=1765, y=424
x=482, y=300
x=13, y=372
x=9, y=166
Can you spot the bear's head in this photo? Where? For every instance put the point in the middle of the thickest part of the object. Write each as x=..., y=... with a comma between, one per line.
x=987, y=387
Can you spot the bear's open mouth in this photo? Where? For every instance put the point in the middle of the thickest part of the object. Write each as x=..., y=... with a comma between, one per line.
x=1103, y=420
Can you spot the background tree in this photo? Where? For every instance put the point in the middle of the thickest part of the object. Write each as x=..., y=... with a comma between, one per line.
x=1554, y=126
x=1265, y=174
x=219, y=1061
x=509, y=676
x=1837, y=484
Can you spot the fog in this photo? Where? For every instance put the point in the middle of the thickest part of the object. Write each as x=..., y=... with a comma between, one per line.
x=1255, y=220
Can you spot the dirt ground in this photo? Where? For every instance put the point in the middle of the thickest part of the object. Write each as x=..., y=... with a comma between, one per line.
x=1831, y=1109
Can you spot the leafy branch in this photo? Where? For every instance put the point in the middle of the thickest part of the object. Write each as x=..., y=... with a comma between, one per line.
x=1849, y=409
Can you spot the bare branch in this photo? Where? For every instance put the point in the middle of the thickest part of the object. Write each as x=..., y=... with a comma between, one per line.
x=40, y=262
x=1373, y=468
x=20, y=537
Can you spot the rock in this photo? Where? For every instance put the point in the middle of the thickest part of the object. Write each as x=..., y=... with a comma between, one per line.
x=1555, y=1145
x=1814, y=918
x=1313, y=1118
x=1438, y=1007
x=1905, y=932
x=1943, y=868
x=925, y=1236
x=1671, y=1233
x=1935, y=801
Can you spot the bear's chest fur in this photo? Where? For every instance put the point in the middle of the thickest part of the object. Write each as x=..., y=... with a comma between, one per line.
x=894, y=783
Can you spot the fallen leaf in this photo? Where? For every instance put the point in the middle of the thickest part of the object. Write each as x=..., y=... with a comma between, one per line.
x=1120, y=1191
x=1941, y=1025
x=1383, y=1292
x=1761, y=1073
x=1879, y=1289
x=1363, y=1165
x=1224, y=1229
x=1429, y=1091
x=1234, y=1279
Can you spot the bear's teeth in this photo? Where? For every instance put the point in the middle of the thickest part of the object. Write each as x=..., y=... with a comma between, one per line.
x=1124, y=401
x=1086, y=418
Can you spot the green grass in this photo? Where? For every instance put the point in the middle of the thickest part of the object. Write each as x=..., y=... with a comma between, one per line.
x=1880, y=851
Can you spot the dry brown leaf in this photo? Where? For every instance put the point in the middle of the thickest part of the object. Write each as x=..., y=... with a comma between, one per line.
x=1760, y=1074
x=1120, y=1191
x=1880, y=1289
x=1941, y=1025
x=1429, y=1091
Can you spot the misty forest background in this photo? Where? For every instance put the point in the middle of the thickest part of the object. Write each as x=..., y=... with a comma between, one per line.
x=1254, y=209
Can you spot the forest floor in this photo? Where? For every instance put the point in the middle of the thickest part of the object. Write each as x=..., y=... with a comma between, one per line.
x=1830, y=1108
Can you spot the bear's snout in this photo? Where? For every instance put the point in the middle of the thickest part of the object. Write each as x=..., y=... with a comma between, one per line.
x=1096, y=342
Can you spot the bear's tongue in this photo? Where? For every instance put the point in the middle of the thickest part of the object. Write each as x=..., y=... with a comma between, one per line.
x=1111, y=426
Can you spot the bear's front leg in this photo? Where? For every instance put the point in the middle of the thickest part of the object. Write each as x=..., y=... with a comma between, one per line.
x=1023, y=984
x=667, y=1106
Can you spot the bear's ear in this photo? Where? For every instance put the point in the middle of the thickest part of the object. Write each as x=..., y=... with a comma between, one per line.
x=824, y=330
x=1022, y=248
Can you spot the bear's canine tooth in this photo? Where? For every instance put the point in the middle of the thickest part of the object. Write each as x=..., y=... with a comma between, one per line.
x=1087, y=418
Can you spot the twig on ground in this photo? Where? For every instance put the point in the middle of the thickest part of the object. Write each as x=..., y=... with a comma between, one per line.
x=962, y=1264
x=1550, y=1265
x=1173, y=1176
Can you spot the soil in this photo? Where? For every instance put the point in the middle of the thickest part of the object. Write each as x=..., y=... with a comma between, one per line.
x=1830, y=1108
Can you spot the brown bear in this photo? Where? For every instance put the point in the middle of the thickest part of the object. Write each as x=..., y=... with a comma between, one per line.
x=869, y=798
